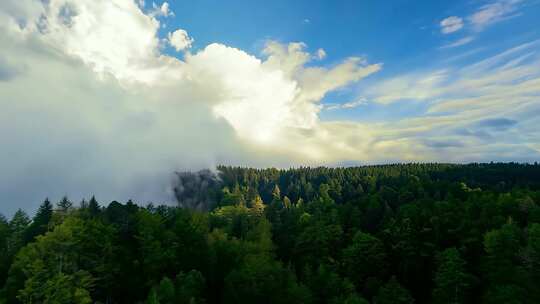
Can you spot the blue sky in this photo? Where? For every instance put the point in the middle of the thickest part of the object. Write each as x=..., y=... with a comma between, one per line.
x=403, y=35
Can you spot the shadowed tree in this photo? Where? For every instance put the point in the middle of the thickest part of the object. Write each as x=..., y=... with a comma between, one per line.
x=41, y=221
x=451, y=279
x=393, y=293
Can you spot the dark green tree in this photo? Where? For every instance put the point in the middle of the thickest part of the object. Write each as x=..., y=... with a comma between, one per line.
x=41, y=221
x=451, y=279
x=93, y=207
x=365, y=257
x=393, y=293
x=65, y=205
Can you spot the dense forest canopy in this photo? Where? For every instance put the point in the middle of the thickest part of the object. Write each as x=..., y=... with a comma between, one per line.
x=403, y=233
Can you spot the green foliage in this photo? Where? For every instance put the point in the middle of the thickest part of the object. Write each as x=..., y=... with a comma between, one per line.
x=393, y=293
x=41, y=221
x=415, y=233
x=51, y=268
x=259, y=279
x=328, y=286
x=364, y=258
x=451, y=279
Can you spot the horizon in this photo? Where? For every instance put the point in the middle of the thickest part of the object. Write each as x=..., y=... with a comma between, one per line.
x=174, y=202
x=111, y=97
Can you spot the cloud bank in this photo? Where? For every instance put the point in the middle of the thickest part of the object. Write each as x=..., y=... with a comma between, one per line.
x=91, y=105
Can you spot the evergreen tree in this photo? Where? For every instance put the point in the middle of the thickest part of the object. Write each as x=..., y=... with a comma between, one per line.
x=41, y=221
x=65, y=205
x=5, y=259
x=451, y=279
x=93, y=207
x=503, y=274
x=393, y=293
x=18, y=225
x=365, y=257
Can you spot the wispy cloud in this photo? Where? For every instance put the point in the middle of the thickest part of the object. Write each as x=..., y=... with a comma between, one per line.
x=480, y=19
x=460, y=42
x=451, y=24
x=494, y=12
x=486, y=109
x=514, y=72
x=346, y=105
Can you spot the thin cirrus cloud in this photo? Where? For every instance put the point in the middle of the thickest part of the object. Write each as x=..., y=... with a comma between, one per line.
x=489, y=107
x=346, y=105
x=494, y=12
x=483, y=17
x=458, y=43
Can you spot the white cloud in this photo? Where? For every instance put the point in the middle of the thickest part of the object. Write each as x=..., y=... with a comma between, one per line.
x=511, y=72
x=413, y=86
x=502, y=88
x=494, y=12
x=114, y=116
x=321, y=54
x=161, y=11
x=460, y=42
x=486, y=15
x=346, y=105
x=180, y=40
x=451, y=24
x=260, y=111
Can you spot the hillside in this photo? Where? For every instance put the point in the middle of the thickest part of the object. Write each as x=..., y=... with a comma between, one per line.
x=403, y=233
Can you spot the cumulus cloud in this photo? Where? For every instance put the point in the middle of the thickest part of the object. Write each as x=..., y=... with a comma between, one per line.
x=451, y=24
x=116, y=117
x=160, y=11
x=8, y=71
x=180, y=40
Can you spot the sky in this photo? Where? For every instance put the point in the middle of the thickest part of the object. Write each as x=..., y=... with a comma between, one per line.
x=111, y=97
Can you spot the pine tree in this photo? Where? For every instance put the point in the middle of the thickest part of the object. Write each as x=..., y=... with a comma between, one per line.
x=364, y=258
x=393, y=293
x=93, y=207
x=84, y=204
x=276, y=193
x=451, y=279
x=17, y=226
x=257, y=206
x=64, y=205
x=40, y=223
x=287, y=203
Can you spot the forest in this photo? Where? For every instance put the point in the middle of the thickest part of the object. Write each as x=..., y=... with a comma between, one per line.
x=397, y=233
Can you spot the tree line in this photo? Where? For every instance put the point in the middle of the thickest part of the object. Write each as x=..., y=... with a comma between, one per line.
x=401, y=233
